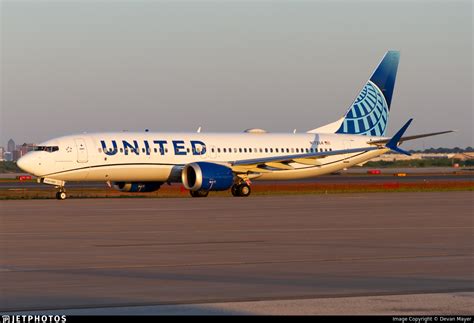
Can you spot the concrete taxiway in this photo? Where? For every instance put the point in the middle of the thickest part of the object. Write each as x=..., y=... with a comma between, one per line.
x=92, y=253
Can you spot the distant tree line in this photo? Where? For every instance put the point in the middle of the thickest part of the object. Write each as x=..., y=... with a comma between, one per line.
x=438, y=162
x=9, y=167
x=441, y=150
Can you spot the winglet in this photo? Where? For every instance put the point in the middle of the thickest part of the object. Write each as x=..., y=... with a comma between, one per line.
x=392, y=144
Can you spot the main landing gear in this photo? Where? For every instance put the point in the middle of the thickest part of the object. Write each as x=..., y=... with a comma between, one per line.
x=61, y=195
x=241, y=189
x=200, y=193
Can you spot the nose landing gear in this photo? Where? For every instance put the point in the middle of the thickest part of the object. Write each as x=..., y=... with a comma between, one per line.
x=58, y=184
x=61, y=195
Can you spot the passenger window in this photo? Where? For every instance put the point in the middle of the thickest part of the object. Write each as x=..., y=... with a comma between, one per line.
x=245, y=150
x=276, y=149
x=250, y=150
x=266, y=150
x=240, y=150
x=297, y=150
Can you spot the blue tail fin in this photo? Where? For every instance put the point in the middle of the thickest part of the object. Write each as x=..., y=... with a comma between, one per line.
x=368, y=115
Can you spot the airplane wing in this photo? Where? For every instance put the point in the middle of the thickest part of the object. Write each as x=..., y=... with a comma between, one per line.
x=282, y=162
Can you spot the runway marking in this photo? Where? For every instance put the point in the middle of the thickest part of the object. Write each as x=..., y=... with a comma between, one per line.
x=258, y=230
x=234, y=263
x=178, y=243
x=193, y=208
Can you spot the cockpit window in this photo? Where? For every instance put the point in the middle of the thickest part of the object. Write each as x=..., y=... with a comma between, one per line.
x=49, y=149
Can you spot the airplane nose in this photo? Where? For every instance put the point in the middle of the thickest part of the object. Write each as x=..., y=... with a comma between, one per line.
x=26, y=163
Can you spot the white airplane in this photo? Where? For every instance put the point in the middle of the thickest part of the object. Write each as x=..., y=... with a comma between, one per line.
x=203, y=162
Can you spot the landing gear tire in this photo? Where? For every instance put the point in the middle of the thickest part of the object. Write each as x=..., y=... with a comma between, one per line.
x=235, y=190
x=244, y=190
x=61, y=195
x=241, y=190
x=200, y=193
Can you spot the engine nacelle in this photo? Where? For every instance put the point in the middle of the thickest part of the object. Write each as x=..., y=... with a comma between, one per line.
x=137, y=186
x=207, y=176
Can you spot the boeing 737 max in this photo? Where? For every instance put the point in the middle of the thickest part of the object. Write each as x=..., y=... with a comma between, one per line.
x=203, y=162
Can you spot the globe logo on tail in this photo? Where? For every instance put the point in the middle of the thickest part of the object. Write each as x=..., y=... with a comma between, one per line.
x=368, y=115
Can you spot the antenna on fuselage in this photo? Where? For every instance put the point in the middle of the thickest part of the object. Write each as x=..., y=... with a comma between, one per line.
x=294, y=130
x=198, y=129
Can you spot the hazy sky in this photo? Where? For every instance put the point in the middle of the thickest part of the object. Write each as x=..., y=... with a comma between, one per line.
x=75, y=66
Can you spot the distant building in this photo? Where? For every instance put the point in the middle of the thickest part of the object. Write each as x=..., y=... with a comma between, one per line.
x=2, y=152
x=396, y=157
x=464, y=156
x=16, y=155
x=24, y=148
x=11, y=146
x=417, y=156
x=8, y=156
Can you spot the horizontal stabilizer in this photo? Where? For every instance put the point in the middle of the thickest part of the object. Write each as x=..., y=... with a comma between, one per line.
x=392, y=144
x=402, y=139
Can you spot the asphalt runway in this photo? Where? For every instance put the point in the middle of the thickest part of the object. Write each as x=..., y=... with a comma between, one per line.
x=91, y=253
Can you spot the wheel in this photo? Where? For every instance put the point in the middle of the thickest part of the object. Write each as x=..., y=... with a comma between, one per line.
x=240, y=190
x=244, y=190
x=61, y=195
x=235, y=190
x=200, y=193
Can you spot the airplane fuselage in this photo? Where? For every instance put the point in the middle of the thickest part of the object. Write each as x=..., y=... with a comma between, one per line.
x=148, y=156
